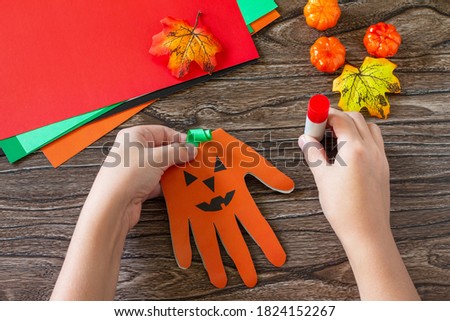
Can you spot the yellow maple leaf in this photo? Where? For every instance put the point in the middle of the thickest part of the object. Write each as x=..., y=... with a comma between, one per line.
x=367, y=86
x=185, y=44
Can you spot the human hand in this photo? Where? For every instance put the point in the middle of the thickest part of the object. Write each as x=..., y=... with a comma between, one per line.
x=354, y=191
x=355, y=197
x=209, y=195
x=129, y=175
x=133, y=168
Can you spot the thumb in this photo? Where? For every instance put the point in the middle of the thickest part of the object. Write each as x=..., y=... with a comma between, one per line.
x=165, y=156
x=314, y=153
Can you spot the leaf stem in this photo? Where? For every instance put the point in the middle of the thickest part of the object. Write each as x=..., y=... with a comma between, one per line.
x=196, y=19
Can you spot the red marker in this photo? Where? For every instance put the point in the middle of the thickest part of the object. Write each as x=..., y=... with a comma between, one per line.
x=317, y=116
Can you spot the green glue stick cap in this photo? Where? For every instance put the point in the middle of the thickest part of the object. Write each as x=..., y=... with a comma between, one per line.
x=198, y=135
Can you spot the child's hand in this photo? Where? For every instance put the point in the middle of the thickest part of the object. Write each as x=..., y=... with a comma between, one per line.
x=354, y=191
x=129, y=175
x=355, y=197
x=135, y=164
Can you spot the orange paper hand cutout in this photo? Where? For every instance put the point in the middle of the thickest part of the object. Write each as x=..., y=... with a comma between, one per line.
x=210, y=196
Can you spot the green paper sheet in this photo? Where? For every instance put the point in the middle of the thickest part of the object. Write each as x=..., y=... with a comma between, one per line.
x=252, y=10
x=19, y=146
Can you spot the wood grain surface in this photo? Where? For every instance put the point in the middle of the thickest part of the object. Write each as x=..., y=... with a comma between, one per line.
x=39, y=205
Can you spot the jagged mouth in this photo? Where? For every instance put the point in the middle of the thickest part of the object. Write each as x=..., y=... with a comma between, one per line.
x=216, y=203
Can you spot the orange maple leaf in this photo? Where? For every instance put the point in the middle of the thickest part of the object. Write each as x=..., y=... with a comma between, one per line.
x=185, y=44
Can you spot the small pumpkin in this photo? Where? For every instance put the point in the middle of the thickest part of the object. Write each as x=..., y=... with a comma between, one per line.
x=327, y=54
x=382, y=40
x=322, y=14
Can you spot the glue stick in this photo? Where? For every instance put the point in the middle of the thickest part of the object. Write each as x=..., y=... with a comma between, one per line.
x=317, y=116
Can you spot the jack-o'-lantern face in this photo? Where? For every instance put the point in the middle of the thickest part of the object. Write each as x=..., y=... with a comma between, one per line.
x=216, y=203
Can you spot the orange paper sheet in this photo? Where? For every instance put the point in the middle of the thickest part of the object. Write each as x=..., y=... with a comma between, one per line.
x=66, y=147
x=264, y=21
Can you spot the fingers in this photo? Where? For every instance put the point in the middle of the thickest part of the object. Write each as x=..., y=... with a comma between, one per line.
x=165, y=156
x=343, y=126
x=151, y=135
x=376, y=135
x=156, y=192
x=205, y=238
x=161, y=135
x=261, y=232
x=352, y=125
x=314, y=154
x=157, y=146
x=237, y=249
x=361, y=126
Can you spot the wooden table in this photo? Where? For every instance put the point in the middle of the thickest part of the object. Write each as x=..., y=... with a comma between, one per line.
x=39, y=205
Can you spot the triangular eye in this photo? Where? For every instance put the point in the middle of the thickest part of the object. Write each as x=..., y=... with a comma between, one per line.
x=219, y=166
x=189, y=178
x=210, y=183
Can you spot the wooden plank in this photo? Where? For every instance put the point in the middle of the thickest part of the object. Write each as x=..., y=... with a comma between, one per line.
x=263, y=104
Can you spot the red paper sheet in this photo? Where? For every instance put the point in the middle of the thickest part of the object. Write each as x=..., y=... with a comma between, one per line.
x=72, y=57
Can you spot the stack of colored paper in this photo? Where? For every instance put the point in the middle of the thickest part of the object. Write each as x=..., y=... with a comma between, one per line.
x=67, y=60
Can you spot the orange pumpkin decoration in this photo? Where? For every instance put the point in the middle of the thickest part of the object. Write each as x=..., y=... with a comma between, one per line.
x=382, y=40
x=327, y=54
x=210, y=196
x=322, y=14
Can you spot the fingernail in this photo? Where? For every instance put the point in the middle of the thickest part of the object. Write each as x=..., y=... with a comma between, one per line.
x=192, y=150
x=301, y=141
x=183, y=137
